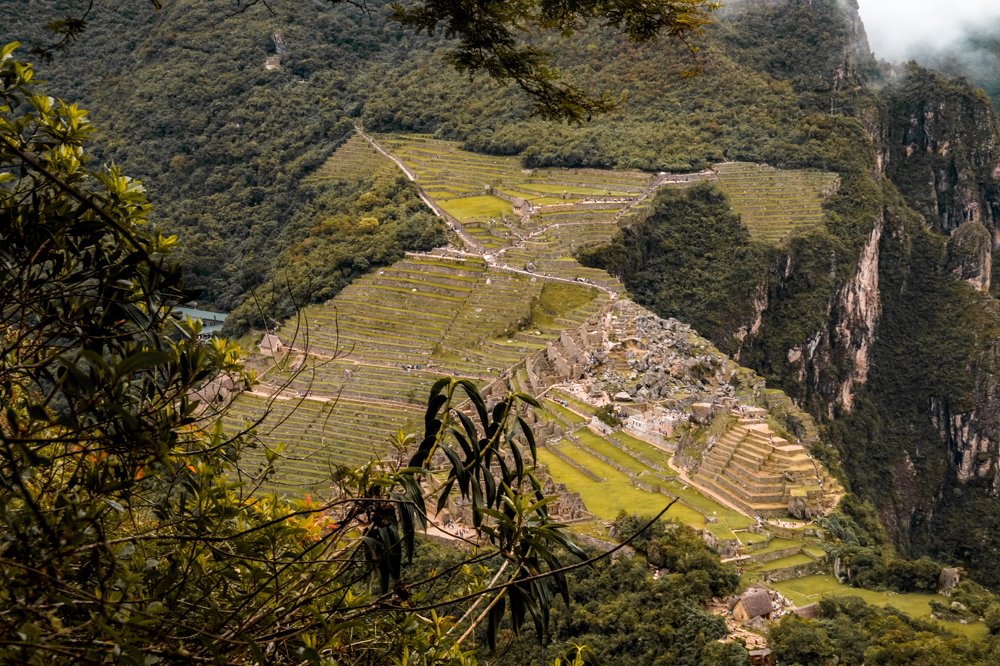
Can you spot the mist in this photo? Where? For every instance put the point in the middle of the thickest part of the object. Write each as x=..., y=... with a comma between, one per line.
x=958, y=38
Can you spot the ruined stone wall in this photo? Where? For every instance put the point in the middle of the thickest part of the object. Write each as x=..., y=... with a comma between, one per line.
x=797, y=571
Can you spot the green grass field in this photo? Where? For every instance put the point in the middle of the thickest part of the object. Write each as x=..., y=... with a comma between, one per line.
x=605, y=500
x=484, y=206
x=806, y=590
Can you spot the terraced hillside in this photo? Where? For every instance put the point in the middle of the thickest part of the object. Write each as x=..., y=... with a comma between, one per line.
x=446, y=172
x=773, y=203
x=383, y=340
x=760, y=473
x=317, y=434
x=354, y=159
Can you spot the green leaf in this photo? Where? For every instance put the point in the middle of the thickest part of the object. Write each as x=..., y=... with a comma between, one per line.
x=528, y=435
x=141, y=361
x=528, y=399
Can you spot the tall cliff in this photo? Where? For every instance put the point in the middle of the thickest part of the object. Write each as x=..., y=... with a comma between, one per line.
x=894, y=341
x=943, y=150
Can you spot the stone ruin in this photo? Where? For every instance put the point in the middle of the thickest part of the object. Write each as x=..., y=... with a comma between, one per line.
x=948, y=582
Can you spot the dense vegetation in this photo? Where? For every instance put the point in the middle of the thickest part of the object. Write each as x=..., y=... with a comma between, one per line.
x=181, y=99
x=228, y=174
x=693, y=260
x=852, y=633
x=626, y=616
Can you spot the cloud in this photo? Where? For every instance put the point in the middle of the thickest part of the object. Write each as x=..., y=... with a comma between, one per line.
x=899, y=30
x=961, y=40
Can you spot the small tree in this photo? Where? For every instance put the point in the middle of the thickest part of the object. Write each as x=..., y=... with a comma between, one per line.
x=607, y=415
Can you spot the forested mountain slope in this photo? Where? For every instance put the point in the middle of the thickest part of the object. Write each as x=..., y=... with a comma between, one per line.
x=877, y=320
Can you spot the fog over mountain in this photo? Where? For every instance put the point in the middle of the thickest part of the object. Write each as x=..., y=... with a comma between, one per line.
x=964, y=40
x=904, y=29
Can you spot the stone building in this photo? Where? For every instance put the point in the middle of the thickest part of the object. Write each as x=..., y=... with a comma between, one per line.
x=755, y=603
x=271, y=345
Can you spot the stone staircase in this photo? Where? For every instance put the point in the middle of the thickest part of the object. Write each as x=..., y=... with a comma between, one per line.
x=758, y=472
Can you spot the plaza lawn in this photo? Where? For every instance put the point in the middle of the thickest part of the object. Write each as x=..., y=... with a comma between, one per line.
x=645, y=449
x=605, y=449
x=484, y=206
x=605, y=500
x=808, y=589
x=572, y=417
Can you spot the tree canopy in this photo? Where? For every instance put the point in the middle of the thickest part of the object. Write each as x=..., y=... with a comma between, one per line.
x=491, y=38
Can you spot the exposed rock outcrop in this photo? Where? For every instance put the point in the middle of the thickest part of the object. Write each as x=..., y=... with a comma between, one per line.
x=969, y=255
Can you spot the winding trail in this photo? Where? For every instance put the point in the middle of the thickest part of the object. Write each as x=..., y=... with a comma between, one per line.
x=453, y=224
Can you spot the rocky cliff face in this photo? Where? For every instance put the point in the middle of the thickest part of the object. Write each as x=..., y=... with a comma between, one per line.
x=969, y=255
x=857, y=311
x=970, y=429
x=847, y=339
x=943, y=150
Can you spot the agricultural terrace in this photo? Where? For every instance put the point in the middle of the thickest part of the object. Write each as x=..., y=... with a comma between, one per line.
x=775, y=203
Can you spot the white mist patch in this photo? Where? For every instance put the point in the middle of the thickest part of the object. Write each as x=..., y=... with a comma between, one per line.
x=900, y=29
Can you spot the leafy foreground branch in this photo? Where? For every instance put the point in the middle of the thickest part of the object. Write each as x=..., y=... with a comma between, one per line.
x=136, y=531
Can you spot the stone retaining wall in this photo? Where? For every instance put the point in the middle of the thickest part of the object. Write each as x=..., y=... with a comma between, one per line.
x=558, y=208
x=788, y=573
x=762, y=558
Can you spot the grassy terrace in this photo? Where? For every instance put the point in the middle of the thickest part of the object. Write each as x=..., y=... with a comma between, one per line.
x=775, y=203
x=775, y=544
x=602, y=446
x=729, y=519
x=616, y=494
x=355, y=159
x=648, y=451
x=790, y=561
x=572, y=417
x=734, y=519
x=316, y=434
x=483, y=206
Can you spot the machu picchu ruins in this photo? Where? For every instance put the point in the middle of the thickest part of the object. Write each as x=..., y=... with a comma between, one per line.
x=507, y=306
